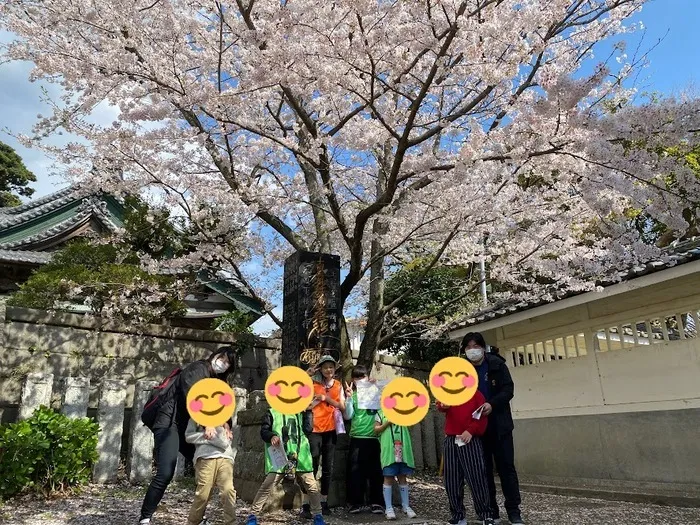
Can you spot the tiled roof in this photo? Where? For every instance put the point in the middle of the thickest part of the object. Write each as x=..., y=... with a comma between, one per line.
x=53, y=216
x=679, y=253
x=26, y=257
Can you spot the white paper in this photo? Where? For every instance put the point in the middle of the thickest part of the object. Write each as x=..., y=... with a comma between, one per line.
x=369, y=394
x=477, y=413
x=459, y=441
x=278, y=457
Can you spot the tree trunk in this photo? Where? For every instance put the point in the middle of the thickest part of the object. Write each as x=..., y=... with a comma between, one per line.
x=345, y=350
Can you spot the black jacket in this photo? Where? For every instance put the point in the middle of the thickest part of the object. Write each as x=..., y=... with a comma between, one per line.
x=500, y=393
x=266, y=433
x=174, y=411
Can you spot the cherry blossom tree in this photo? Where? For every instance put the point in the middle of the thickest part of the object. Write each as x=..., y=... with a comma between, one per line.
x=456, y=129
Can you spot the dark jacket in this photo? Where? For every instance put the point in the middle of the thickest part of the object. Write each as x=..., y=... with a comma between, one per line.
x=174, y=411
x=500, y=393
x=266, y=433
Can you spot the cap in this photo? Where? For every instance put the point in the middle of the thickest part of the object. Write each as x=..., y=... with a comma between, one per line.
x=326, y=359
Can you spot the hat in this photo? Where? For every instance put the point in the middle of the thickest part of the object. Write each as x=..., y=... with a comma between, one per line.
x=326, y=359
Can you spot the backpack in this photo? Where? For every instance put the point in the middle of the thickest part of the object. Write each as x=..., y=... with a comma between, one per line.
x=160, y=395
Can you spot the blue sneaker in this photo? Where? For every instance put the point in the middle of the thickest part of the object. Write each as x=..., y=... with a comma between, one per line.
x=318, y=520
x=252, y=520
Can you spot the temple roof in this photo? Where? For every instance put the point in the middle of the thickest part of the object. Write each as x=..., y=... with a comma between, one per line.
x=31, y=232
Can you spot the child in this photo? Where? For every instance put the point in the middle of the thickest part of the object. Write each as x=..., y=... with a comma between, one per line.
x=364, y=457
x=213, y=465
x=397, y=461
x=464, y=459
x=329, y=396
x=290, y=432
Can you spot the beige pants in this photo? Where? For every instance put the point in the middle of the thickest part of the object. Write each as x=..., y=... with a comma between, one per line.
x=208, y=473
x=305, y=480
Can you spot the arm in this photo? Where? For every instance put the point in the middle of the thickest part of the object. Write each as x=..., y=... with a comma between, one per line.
x=266, y=432
x=477, y=427
x=307, y=421
x=191, y=374
x=506, y=394
x=196, y=437
x=379, y=425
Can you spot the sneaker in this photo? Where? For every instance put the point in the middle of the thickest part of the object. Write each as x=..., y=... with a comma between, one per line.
x=204, y=521
x=318, y=520
x=377, y=509
x=252, y=520
x=325, y=509
x=497, y=521
x=145, y=521
x=515, y=519
x=355, y=509
x=390, y=514
x=306, y=512
x=408, y=511
x=489, y=521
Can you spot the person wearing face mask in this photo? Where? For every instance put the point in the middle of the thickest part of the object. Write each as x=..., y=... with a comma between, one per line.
x=496, y=385
x=171, y=422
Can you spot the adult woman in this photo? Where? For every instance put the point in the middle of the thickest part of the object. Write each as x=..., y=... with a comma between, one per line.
x=171, y=423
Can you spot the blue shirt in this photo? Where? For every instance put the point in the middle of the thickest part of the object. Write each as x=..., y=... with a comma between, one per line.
x=483, y=372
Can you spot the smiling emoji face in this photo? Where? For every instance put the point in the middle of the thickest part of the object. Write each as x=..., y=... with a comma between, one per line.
x=405, y=401
x=289, y=390
x=210, y=402
x=453, y=381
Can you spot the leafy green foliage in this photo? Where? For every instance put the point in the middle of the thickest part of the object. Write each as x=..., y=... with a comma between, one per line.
x=14, y=177
x=48, y=452
x=440, y=286
x=234, y=322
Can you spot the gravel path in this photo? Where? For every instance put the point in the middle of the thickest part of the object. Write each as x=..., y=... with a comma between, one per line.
x=120, y=504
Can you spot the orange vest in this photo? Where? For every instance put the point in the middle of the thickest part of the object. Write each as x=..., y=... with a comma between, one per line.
x=324, y=420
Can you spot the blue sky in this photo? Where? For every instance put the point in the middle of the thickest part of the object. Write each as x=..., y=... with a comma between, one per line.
x=674, y=66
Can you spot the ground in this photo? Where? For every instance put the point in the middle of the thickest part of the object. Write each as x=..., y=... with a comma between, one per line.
x=120, y=504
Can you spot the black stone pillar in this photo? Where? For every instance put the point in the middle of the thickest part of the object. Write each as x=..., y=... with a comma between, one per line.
x=311, y=308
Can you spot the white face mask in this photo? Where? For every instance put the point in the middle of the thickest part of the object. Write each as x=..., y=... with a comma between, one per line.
x=219, y=367
x=475, y=354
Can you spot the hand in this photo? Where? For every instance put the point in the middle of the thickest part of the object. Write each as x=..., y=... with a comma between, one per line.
x=487, y=409
x=311, y=370
x=275, y=441
x=229, y=433
x=209, y=432
x=320, y=397
x=348, y=392
x=466, y=436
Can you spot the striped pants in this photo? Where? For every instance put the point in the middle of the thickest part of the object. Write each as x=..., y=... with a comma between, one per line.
x=466, y=462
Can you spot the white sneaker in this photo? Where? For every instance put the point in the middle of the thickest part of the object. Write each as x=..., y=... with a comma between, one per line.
x=390, y=514
x=145, y=521
x=462, y=522
x=409, y=512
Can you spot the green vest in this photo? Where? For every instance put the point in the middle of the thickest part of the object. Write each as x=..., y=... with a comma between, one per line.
x=362, y=421
x=290, y=431
x=387, y=442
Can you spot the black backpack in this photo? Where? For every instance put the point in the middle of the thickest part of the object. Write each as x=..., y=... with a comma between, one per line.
x=160, y=395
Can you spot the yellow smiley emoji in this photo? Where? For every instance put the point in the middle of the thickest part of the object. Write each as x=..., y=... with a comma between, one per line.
x=405, y=401
x=453, y=381
x=211, y=402
x=289, y=390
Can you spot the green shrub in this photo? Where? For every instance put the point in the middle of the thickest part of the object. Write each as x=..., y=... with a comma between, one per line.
x=48, y=452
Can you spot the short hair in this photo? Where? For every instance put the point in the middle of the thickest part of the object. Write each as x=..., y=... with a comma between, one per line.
x=473, y=336
x=359, y=371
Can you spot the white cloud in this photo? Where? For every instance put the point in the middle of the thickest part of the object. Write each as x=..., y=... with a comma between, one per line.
x=264, y=326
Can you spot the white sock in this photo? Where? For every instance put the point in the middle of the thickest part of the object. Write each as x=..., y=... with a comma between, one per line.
x=403, y=489
x=324, y=499
x=387, y=497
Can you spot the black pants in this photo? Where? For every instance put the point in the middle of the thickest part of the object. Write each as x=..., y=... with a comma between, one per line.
x=364, y=466
x=499, y=448
x=323, y=450
x=466, y=463
x=167, y=444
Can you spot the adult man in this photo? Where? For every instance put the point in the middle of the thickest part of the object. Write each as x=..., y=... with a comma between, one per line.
x=171, y=423
x=496, y=384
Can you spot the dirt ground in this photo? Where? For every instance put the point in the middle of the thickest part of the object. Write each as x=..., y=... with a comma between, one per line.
x=120, y=505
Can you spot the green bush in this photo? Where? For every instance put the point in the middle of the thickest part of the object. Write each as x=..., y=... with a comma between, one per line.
x=48, y=452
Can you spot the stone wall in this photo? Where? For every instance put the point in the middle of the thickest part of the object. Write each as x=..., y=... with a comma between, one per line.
x=71, y=345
